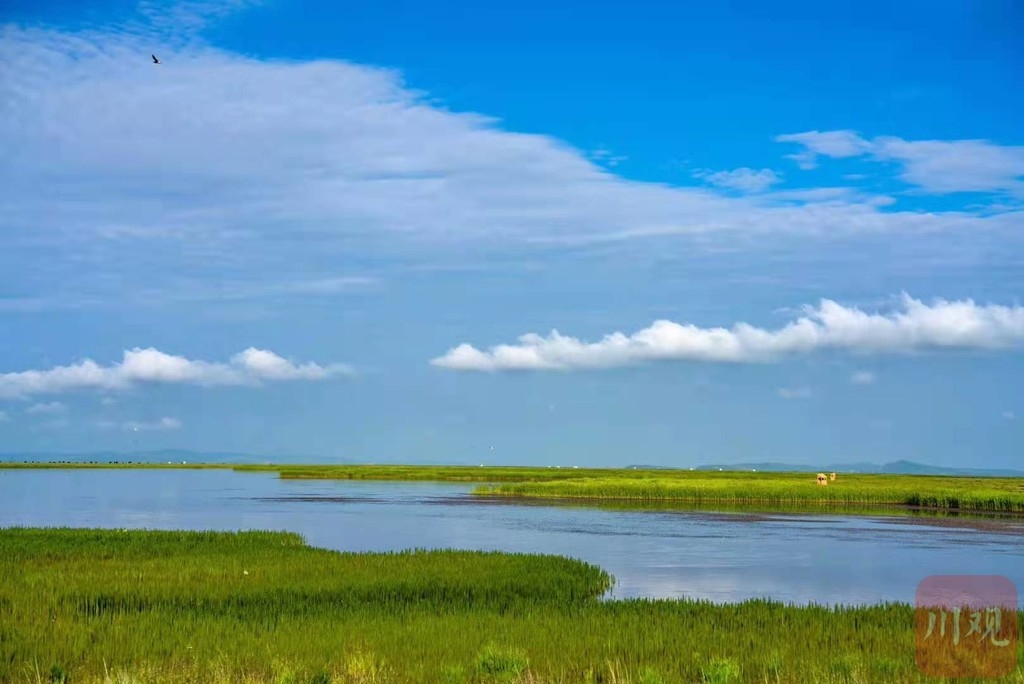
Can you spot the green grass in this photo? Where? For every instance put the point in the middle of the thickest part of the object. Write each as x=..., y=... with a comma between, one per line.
x=781, y=491
x=742, y=508
x=430, y=473
x=118, y=607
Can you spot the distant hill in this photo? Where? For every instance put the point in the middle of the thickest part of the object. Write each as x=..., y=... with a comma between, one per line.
x=238, y=458
x=894, y=468
x=211, y=457
x=165, y=455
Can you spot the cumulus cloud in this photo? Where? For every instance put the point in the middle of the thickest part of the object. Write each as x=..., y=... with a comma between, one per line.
x=794, y=392
x=938, y=166
x=743, y=179
x=46, y=408
x=830, y=325
x=141, y=366
x=862, y=378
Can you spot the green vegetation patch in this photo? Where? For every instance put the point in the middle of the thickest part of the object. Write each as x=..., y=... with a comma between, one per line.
x=781, y=491
x=430, y=473
x=110, y=606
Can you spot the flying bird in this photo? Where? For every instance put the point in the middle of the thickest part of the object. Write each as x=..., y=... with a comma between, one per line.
x=155, y=60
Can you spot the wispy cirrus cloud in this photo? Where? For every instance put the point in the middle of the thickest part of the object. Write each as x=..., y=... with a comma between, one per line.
x=186, y=18
x=937, y=166
x=252, y=167
x=166, y=423
x=794, y=392
x=46, y=408
x=742, y=179
x=835, y=144
x=196, y=291
x=941, y=325
x=862, y=378
x=152, y=366
x=608, y=157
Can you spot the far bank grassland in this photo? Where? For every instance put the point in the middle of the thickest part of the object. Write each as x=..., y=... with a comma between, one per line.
x=118, y=607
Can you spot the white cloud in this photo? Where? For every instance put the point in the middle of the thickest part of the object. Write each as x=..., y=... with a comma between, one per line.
x=743, y=179
x=140, y=366
x=937, y=166
x=862, y=378
x=46, y=408
x=3, y=417
x=307, y=287
x=944, y=324
x=945, y=166
x=267, y=365
x=1009, y=415
x=607, y=157
x=225, y=154
x=184, y=19
x=794, y=392
x=162, y=424
x=165, y=423
x=198, y=291
x=836, y=144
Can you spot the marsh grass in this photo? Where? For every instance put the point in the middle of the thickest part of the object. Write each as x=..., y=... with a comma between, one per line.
x=781, y=491
x=119, y=607
x=429, y=473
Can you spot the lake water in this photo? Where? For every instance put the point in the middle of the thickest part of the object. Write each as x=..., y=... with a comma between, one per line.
x=716, y=556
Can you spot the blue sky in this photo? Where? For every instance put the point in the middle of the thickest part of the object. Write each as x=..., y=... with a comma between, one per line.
x=789, y=233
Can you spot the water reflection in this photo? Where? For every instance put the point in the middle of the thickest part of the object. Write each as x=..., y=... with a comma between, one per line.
x=723, y=556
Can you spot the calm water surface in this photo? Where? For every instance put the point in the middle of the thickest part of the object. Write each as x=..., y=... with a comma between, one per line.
x=721, y=557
